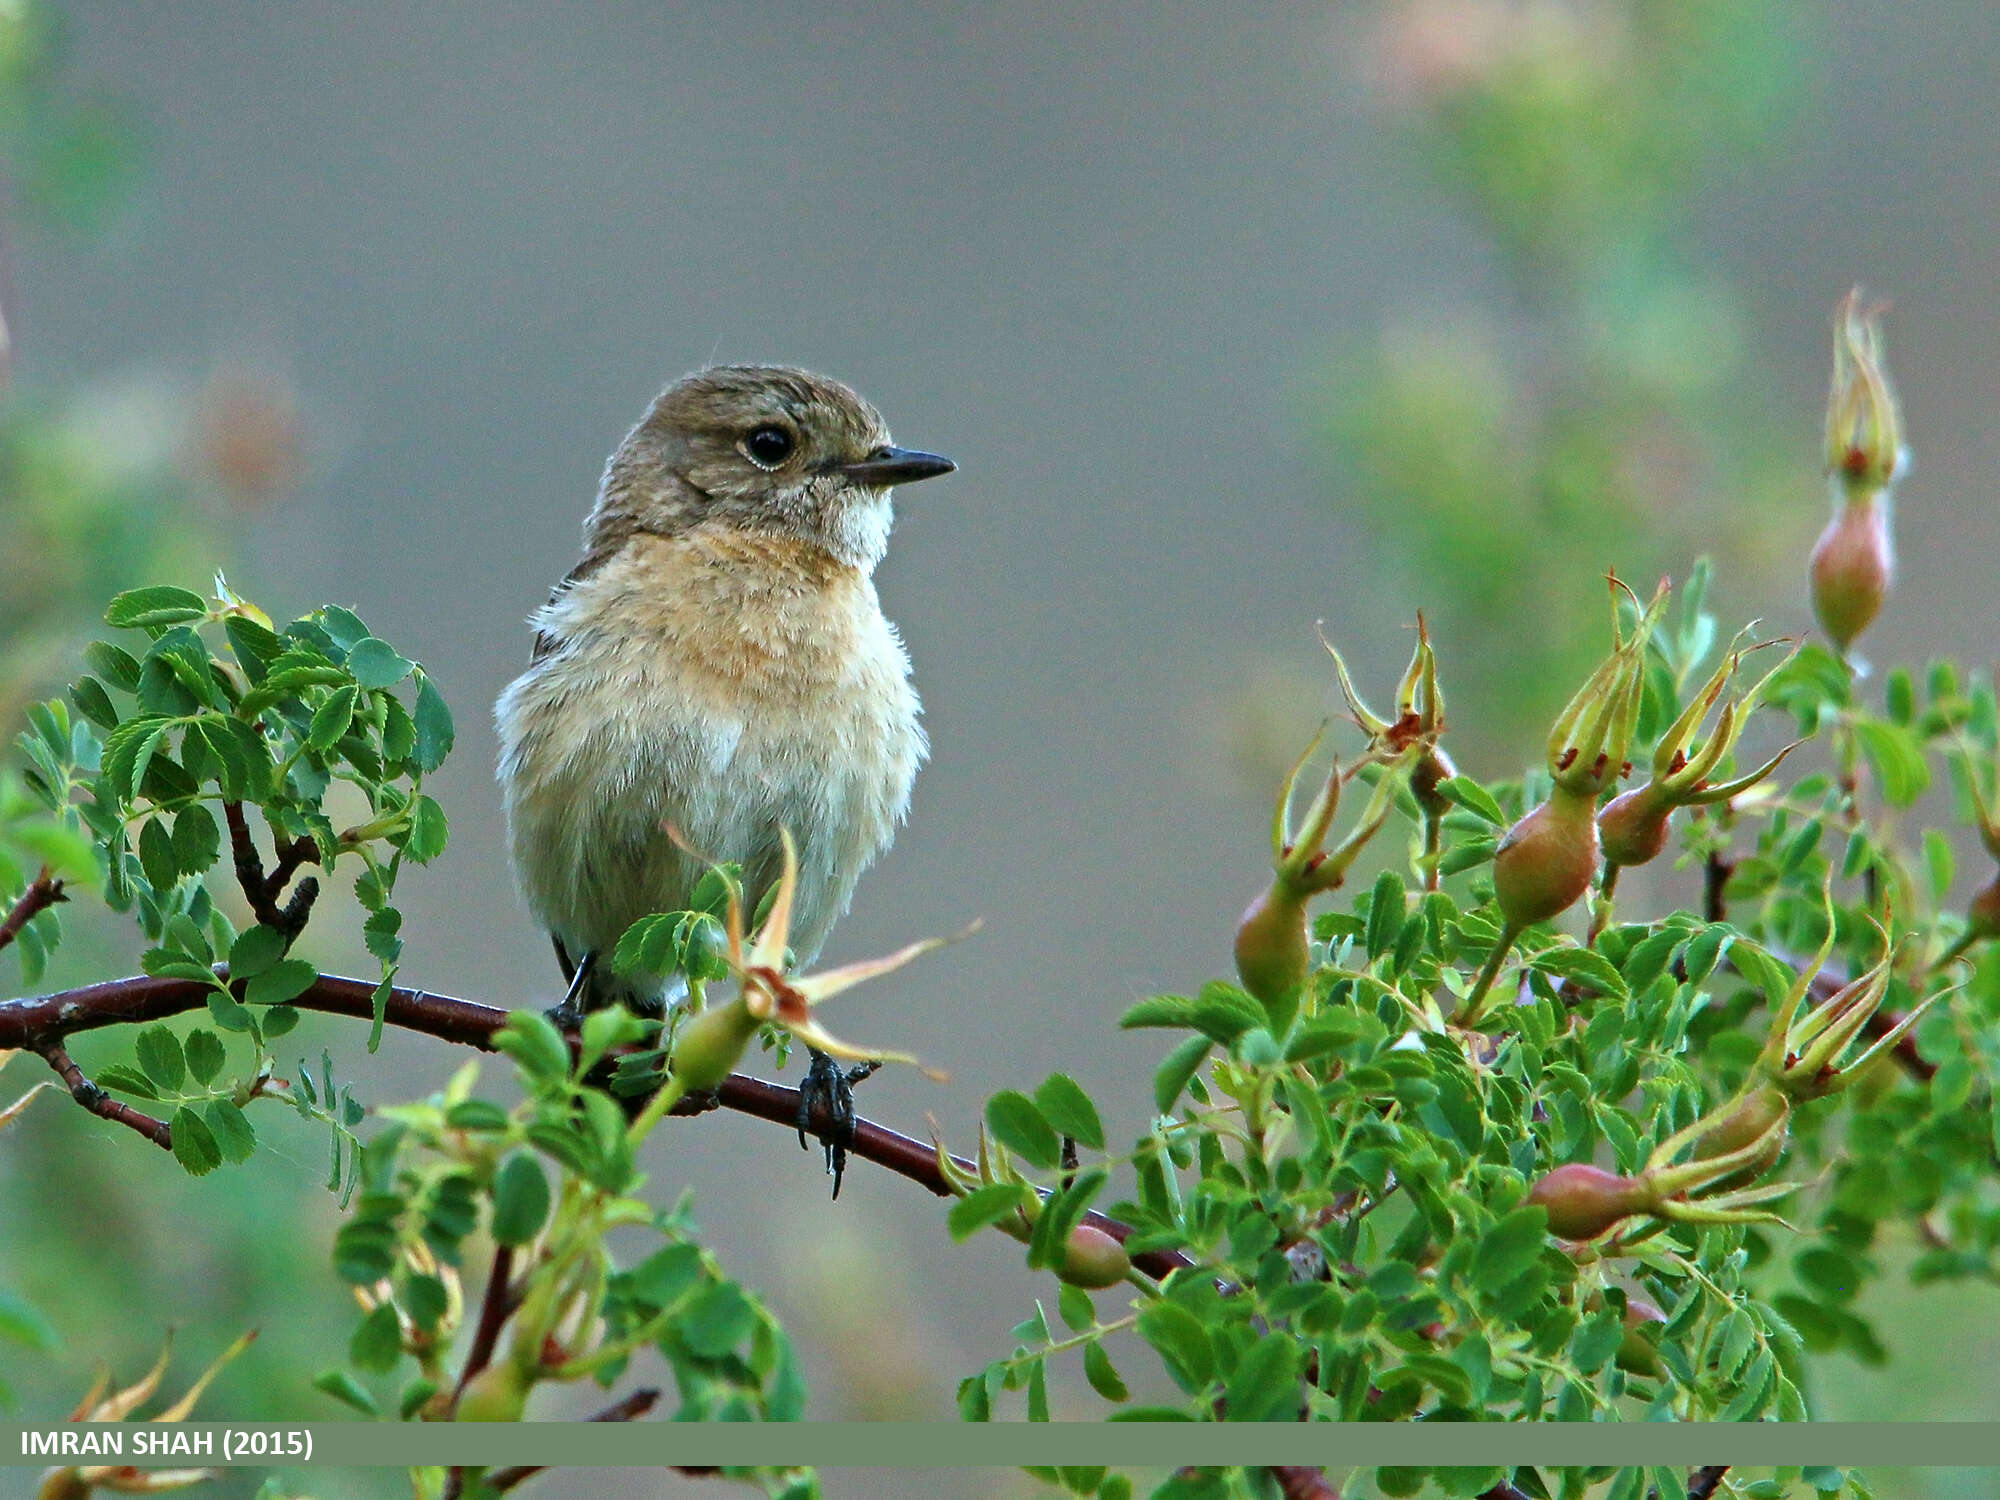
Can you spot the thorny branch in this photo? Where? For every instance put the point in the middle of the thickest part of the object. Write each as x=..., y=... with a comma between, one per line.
x=43, y=892
x=262, y=890
x=43, y=1022
x=98, y=1102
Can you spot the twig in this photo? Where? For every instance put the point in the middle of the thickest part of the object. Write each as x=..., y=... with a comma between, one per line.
x=494, y=1309
x=262, y=890
x=1702, y=1482
x=634, y=1406
x=43, y=892
x=1715, y=873
x=94, y=1099
x=46, y=1020
x=1303, y=1482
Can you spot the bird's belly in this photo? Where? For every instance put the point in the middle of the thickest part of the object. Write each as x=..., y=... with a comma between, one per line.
x=621, y=793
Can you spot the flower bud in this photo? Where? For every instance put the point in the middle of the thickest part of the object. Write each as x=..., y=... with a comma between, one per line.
x=1585, y=1201
x=498, y=1393
x=1271, y=944
x=1637, y=1353
x=1632, y=829
x=1851, y=567
x=1546, y=861
x=1864, y=437
x=1759, y=1118
x=710, y=1044
x=1093, y=1259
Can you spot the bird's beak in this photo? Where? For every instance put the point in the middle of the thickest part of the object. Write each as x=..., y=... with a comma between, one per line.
x=887, y=466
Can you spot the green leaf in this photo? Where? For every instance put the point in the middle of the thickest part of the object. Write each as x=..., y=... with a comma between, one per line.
x=377, y=664
x=194, y=1145
x=231, y=1128
x=1222, y=1011
x=1180, y=1065
x=197, y=840
x=716, y=1320
x=379, y=933
x=428, y=831
x=531, y=1039
x=984, y=1206
x=88, y=694
x=426, y=1300
x=225, y=1010
x=1583, y=967
x=1265, y=1384
x=21, y=1323
x=159, y=605
x=156, y=855
x=1068, y=1108
x=1018, y=1124
x=1182, y=1343
x=520, y=1199
x=1474, y=798
x=1073, y=1303
x=1102, y=1375
x=204, y=1055
x=159, y=1053
x=254, y=951
x=127, y=1081
x=285, y=980
x=1511, y=1248
x=344, y=1388
x=434, y=727
x=378, y=1342
x=1898, y=759
x=331, y=718
x=114, y=664
x=1387, y=906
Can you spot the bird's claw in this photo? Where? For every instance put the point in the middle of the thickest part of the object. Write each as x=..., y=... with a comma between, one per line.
x=827, y=1092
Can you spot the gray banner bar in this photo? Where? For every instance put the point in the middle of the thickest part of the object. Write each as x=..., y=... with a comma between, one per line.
x=956, y=1445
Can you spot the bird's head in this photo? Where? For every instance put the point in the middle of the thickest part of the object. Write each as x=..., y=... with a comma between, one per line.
x=765, y=448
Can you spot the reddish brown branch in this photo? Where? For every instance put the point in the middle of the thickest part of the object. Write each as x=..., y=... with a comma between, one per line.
x=98, y=1102
x=1303, y=1482
x=634, y=1406
x=47, y=1019
x=262, y=890
x=494, y=1309
x=1703, y=1482
x=43, y=892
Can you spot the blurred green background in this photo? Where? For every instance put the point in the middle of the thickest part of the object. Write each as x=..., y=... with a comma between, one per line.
x=1233, y=320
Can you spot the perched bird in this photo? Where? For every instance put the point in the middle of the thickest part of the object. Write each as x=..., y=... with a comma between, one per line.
x=715, y=669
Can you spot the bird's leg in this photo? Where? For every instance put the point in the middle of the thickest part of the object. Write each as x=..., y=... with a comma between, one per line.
x=829, y=1087
x=569, y=1014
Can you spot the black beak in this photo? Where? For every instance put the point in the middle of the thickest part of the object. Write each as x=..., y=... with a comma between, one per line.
x=887, y=466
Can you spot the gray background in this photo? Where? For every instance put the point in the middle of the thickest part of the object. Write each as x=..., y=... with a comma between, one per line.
x=1100, y=255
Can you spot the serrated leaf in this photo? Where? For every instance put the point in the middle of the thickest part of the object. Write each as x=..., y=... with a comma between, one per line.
x=1585, y=967
x=520, y=1199
x=194, y=1144
x=1068, y=1108
x=204, y=1054
x=1102, y=1375
x=376, y=664
x=434, y=727
x=162, y=604
x=159, y=1054
x=377, y=1343
x=255, y=950
x=331, y=718
x=1474, y=798
x=231, y=1128
x=1018, y=1124
x=126, y=1081
x=1898, y=760
x=345, y=1389
x=1180, y=1065
x=428, y=830
x=984, y=1206
x=114, y=664
x=197, y=841
x=379, y=933
x=285, y=980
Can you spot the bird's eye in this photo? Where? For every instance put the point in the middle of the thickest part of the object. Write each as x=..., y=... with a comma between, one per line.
x=767, y=447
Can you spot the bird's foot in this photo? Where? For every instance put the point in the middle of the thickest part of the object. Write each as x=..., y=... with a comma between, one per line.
x=827, y=1093
x=567, y=1015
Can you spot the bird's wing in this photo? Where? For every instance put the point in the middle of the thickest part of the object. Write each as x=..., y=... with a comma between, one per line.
x=590, y=563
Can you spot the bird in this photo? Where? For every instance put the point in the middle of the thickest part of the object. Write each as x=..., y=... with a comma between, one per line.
x=714, y=673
